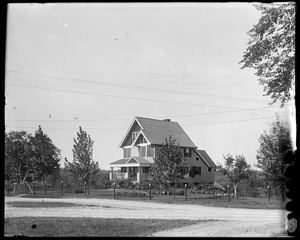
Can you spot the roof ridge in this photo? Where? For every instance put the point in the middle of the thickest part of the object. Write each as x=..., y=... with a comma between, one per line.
x=156, y=119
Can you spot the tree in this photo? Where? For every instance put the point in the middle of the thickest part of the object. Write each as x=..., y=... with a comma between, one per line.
x=18, y=156
x=30, y=157
x=168, y=165
x=83, y=166
x=250, y=186
x=46, y=155
x=271, y=50
x=236, y=169
x=273, y=146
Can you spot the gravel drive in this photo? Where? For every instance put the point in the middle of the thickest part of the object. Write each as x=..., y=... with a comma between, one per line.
x=231, y=222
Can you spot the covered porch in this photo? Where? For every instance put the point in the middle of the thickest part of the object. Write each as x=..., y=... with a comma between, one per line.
x=136, y=169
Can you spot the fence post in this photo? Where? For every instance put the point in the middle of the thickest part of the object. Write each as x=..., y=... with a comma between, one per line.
x=149, y=191
x=269, y=193
x=114, y=190
x=228, y=193
x=185, y=192
x=45, y=187
x=174, y=191
x=84, y=188
x=32, y=187
x=62, y=188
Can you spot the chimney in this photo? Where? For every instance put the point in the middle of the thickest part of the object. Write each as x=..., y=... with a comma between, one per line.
x=167, y=120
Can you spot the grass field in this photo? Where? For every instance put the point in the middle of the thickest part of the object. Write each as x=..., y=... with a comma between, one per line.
x=88, y=227
x=41, y=204
x=199, y=199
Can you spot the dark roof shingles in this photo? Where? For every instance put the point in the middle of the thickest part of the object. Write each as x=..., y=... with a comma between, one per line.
x=207, y=158
x=156, y=131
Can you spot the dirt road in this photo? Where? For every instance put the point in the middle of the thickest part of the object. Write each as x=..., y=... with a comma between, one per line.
x=231, y=222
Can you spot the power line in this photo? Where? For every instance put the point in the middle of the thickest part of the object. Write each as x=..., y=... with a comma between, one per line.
x=237, y=141
x=168, y=91
x=125, y=97
x=66, y=128
x=241, y=120
x=118, y=119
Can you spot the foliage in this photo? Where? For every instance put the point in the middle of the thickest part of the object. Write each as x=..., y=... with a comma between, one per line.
x=100, y=179
x=273, y=146
x=250, y=187
x=18, y=156
x=206, y=188
x=130, y=193
x=236, y=169
x=168, y=166
x=221, y=179
x=271, y=50
x=46, y=155
x=83, y=166
x=28, y=157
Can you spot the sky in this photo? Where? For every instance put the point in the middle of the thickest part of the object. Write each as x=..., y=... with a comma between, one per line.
x=98, y=65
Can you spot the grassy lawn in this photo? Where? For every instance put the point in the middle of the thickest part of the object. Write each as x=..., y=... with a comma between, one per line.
x=199, y=199
x=41, y=204
x=80, y=227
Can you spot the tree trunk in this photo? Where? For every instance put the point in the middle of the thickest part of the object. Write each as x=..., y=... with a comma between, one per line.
x=234, y=189
x=174, y=192
x=24, y=179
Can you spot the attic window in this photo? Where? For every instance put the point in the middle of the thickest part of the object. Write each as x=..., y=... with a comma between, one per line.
x=134, y=135
x=187, y=152
x=209, y=169
x=197, y=158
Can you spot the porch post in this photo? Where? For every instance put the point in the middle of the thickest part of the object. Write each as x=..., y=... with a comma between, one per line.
x=138, y=176
x=111, y=174
x=126, y=175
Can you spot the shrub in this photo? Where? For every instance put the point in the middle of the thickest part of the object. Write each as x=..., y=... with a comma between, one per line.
x=130, y=193
x=79, y=191
x=206, y=189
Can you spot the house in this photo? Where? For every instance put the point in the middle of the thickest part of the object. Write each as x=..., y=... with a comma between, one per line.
x=144, y=137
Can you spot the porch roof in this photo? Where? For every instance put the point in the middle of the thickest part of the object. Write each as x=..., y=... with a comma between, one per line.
x=138, y=160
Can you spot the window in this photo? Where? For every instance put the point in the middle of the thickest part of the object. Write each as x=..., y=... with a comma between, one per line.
x=192, y=172
x=126, y=152
x=150, y=151
x=134, y=135
x=142, y=151
x=209, y=169
x=187, y=152
x=123, y=169
x=197, y=170
x=146, y=169
x=197, y=158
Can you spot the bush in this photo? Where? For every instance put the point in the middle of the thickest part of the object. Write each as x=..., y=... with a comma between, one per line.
x=79, y=191
x=207, y=188
x=130, y=193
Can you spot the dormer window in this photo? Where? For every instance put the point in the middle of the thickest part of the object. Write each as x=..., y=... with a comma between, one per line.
x=187, y=152
x=134, y=135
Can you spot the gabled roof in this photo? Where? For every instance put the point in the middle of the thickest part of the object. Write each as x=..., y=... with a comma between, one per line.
x=207, y=158
x=142, y=160
x=156, y=131
x=121, y=161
